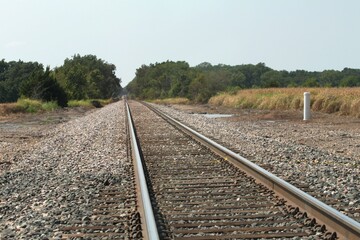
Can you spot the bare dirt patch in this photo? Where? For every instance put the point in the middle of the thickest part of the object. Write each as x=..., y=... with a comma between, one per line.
x=336, y=134
x=18, y=132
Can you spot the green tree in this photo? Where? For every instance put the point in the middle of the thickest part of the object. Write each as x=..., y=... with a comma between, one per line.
x=85, y=77
x=76, y=83
x=12, y=74
x=161, y=80
x=238, y=79
x=199, y=83
x=199, y=89
x=271, y=79
x=43, y=86
x=350, y=81
x=252, y=73
x=311, y=82
x=330, y=78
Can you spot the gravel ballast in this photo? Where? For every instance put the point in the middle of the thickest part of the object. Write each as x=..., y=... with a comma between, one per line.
x=293, y=151
x=58, y=178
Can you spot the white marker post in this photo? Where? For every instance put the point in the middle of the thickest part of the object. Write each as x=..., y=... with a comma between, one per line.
x=306, y=105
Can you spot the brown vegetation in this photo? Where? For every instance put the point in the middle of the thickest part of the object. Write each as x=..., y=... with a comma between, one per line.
x=9, y=108
x=343, y=101
x=172, y=101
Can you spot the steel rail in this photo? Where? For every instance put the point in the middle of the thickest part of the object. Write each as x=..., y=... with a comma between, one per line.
x=345, y=227
x=148, y=222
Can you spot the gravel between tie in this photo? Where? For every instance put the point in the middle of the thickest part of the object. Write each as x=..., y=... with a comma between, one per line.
x=292, y=150
x=57, y=179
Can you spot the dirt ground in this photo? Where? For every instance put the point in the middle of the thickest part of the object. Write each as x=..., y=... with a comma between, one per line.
x=332, y=133
x=337, y=134
x=294, y=117
x=18, y=132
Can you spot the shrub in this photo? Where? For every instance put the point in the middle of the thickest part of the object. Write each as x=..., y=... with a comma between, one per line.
x=89, y=103
x=29, y=105
x=50, y=106
x=96, y=103
x=43, y=86
x=79, y=103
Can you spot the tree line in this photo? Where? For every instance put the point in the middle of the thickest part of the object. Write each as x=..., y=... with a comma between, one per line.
x=199, y=83
x=80, y=77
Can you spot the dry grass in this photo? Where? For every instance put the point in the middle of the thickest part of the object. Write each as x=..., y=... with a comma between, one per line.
x=25, y=105
x=172, y=101
x=9, y=108
x=87, y=103
x=343, y=101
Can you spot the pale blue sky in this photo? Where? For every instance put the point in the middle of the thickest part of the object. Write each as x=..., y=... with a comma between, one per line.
x=284, y=34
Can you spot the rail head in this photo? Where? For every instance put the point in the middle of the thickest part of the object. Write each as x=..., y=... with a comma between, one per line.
x=345, y=227
x=149, y=227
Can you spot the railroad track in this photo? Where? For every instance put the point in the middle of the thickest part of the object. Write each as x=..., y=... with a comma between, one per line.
x=198, y=191
x=187, y=188
x=115, y=212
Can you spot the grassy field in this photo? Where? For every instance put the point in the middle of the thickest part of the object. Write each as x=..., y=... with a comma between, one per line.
x=172, y=101
x=25, y=105
x=87, y=103
x=343, y=101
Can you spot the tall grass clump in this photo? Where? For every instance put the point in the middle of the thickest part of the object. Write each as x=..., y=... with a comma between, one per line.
x=50, y=106
x=33, y=106
x=89, y=103
x=29, y=105
x=172, y=101
x=9, y=108
x=26, y=105
x=105, y=101
x=79, y=103
x=343, y=101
